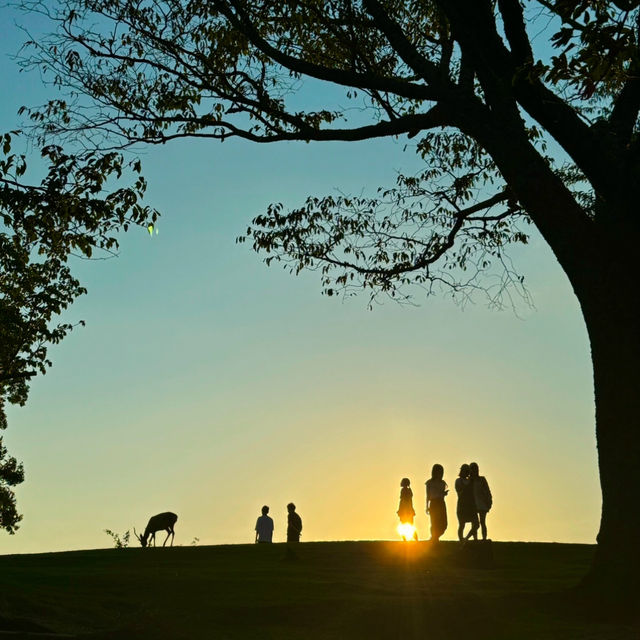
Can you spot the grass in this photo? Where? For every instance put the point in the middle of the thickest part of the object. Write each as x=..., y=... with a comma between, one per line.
x=327, y=590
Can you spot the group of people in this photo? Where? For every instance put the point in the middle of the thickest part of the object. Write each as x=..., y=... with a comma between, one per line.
x=264, y=525
x=474, y=502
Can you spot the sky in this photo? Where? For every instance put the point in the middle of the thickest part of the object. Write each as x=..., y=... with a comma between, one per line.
x=207, y=384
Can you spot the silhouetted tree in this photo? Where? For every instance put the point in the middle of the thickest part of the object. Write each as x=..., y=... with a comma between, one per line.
x=480, y=97
x=11, y=474
x=70, y=212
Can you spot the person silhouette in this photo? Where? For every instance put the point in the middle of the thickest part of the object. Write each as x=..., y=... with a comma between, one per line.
x=264, y=526
x=294, y=524
x=436, y=507
x=406, y=512
x=466, y=508
x=482, y=496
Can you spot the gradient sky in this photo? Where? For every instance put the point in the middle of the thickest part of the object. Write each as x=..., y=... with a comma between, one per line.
x=208, y=384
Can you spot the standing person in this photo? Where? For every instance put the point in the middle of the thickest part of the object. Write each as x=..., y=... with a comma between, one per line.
x=436, y=508
x=264, y=526
x=482, y=496
x=294, y=524
x=466, y=509
x=406, y=512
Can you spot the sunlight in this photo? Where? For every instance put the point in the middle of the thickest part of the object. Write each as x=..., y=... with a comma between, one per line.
x=407, y=531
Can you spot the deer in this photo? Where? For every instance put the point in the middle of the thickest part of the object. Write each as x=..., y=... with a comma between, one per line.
x=161, y=522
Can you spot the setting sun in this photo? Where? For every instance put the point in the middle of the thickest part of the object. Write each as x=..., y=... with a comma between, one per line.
x=407, y=531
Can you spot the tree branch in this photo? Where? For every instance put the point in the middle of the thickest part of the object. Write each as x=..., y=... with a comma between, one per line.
x=515, y=30
x=409, y=123
x=504, y=82
x=401, y=44
x=431, y=254
x=627, y=105
x=403, y=88
x=626, y=108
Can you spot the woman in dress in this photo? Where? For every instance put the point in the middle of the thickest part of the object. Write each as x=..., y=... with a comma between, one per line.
x=466, y=509
x=436, y=508
x=406, y=512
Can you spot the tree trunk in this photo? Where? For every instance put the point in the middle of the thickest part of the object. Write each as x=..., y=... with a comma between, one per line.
x=610, y=314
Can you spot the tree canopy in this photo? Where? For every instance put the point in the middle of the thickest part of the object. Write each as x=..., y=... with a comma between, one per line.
x=523, y=111
x=70, y=212
x=454, y=76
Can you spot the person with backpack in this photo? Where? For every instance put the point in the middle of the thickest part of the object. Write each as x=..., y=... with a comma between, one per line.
x=482, y=496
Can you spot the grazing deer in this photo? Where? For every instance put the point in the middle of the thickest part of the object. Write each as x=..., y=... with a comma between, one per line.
x=161, y=522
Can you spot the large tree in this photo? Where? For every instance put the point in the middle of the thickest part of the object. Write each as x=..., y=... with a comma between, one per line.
x=72, y=209
x=482, y=99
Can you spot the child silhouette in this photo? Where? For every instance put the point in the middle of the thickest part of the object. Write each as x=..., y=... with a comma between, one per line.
x=406, y=512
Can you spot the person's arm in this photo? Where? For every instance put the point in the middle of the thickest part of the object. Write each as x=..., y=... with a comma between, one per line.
x=256, y=530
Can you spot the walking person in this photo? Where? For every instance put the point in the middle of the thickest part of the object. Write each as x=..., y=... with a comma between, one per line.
x=436, y=508
x=482, y=496
x=466, y=508
x=264, y=526
x=294, y=524
x=406, y=512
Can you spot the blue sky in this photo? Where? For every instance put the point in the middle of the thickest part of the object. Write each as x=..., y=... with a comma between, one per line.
x=207, y=384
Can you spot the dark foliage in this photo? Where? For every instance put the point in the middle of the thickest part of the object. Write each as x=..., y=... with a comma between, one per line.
x=70, y=212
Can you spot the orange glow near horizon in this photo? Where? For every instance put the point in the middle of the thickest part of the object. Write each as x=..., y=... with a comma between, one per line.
x=406, y=530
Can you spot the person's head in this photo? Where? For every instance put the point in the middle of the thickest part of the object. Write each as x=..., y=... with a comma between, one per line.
x=265, y=510
x=474, y=469
x=291, y=507
x=437, y=472
x=405, y=482
x=464, y=471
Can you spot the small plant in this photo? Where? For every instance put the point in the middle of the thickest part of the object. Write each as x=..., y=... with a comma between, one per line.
x=118, y=542
x=195, y=541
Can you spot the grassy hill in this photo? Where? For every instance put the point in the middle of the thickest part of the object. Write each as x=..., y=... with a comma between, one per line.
x=326, y=590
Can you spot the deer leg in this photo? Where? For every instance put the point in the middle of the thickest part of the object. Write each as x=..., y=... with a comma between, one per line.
x=168, y=534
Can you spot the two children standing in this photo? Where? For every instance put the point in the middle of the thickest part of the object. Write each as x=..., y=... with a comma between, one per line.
x=474, y=502
x=264, y=525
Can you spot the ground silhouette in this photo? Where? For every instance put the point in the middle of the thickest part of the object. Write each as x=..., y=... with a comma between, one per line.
x=337, y=590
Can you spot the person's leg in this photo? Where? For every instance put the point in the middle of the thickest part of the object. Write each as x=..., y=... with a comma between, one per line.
x=460, y=530
x=483, y=523
x=474, y=529
x=434, y=517
x=436, y=531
